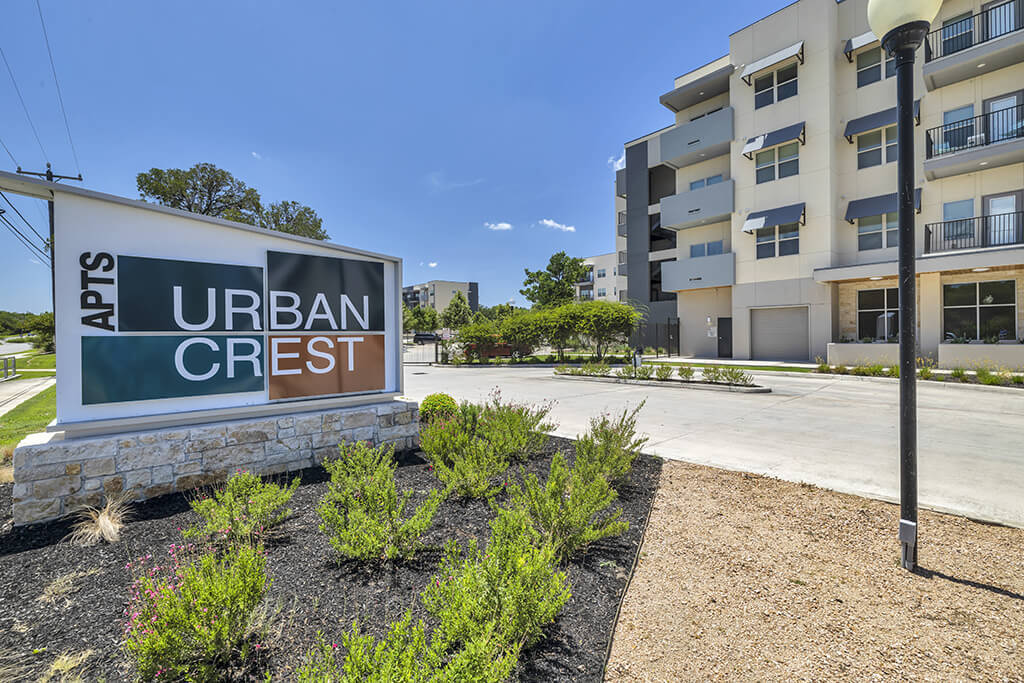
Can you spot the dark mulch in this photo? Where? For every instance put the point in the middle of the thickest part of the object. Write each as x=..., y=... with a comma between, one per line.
x=315, y=590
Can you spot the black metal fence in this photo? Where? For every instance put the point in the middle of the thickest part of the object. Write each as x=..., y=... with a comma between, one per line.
x=977, y=131
x=974, y=233
x=663, y=337
x=978, y=28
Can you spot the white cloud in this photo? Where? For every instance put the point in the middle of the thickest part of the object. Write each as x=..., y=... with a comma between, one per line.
x=617, y=164
x=438, y=181
x=432, y=264
x=498, y=226
x=548, y=223
x=256, y=155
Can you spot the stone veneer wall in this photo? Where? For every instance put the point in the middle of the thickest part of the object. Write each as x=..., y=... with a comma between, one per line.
x=56, y=477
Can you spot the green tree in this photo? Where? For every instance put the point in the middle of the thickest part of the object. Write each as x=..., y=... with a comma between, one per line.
x=478, y=339
x=523, y=332
x=561, y=325
x=499, y=312
x=212, y=191
x=556, y=284
x=606, y=322
x=457, y=312
x=420, y=319
x=42, y=327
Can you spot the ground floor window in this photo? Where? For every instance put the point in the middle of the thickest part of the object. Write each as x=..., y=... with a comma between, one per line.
x=656, y=293
x=781, y=240
x=980, y=310
x=878, y=315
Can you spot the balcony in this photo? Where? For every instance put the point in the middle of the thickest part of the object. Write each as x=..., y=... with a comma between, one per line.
x=707, y=137
x=587, y=279
x=699, y=273
x=975, y=45
x=982, y=232
x=707, y=205
x=620, y=182
x=621, y=228
x=987, y=141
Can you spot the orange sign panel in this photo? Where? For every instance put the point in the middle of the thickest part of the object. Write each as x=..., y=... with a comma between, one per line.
x=325, y=363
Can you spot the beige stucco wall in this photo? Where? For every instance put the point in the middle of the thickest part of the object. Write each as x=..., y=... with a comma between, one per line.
x=990, y=356
x=694, y=308
x=863, y=354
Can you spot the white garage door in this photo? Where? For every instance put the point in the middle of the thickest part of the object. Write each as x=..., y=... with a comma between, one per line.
x=779, y=333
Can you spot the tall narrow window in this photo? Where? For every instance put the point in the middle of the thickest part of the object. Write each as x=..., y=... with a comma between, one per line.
x=869, y=149
x=869, y=67
x=765, y=165
x=789, y=159
x=878, y=313
x=764, y=90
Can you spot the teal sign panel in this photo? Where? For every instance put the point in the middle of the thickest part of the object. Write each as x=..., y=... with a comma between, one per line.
x=143, y=367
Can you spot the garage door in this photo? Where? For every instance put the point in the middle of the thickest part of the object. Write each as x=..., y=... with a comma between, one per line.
x=779, y=333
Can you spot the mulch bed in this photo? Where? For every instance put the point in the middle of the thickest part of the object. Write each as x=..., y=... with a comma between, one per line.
x=315, y=590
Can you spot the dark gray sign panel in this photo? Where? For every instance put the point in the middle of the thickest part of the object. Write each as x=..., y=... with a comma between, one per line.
x=322, y=293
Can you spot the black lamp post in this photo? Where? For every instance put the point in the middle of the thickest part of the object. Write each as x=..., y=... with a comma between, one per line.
x=902, y=26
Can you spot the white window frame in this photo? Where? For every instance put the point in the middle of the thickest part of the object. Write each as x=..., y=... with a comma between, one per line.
x=601, y=272
x=774, y=85
x=887, y=228
x=772, y=158
x=886, y=147
x=773, y=236
x=885, y=64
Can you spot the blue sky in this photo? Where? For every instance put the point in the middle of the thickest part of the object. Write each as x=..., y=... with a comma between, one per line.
x=469, y=134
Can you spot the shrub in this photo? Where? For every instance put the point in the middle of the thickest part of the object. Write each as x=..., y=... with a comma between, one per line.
x=244, y=508
x=569, y=509
x=868, y=370
x=515, y=430
x=1017, y=379
x=893, y=371
x=712, y=374
x=193, y=618
x=959, y=374
x=663, y=372
x=986, y=376
x=823, y=367
x=650, y=351
x=644, y=371
x=437, y=406
x=595, y=369
x=736, y=376
x=842, y=370
x=925, y=372
x=362, y=511
x=611, y=444
x=686, y=372
x=512, y=588
x=563, y=370
x=625, y=372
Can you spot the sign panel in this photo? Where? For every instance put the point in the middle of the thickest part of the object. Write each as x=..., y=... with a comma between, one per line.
x=159, y=312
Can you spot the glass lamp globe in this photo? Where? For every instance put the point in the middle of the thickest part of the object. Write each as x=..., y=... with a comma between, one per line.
x=886, y=15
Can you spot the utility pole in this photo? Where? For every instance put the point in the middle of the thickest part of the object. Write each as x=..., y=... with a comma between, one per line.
x=52, y=177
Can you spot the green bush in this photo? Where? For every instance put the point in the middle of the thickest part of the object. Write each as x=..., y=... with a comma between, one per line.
x=663, y=372
x=626, y=372
x=245, y=508
x=1017, y=379
x=875, y=370
x=960, y=375
x=686, y=372
x=644, y=371
x=713, y=374
x=893, y=371
x=925, y=372
x=515, y=430
x=193, y=619
x=986, y=376
x=611, y=444
x=842, y=370
x=362, y=511
x=823, y=367
x=736, y=376
x=595, y=369
x=570, y=510
x=437, y=406
x=512, y=588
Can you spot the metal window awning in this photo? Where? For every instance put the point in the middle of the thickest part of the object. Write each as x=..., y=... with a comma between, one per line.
x=776, y=137
x=706, y=87
x=880, y=119
x=857, y=42
x=793, y=213
x=876, y=206
x=795, y=50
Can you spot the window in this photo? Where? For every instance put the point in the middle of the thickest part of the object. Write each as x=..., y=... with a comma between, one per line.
x=980, y=310
x=601, y=291
x=656, y=293
x=788, y=162
x=957, y=33
x=869, y=147
x=957, y=129
x=706, y=249
x=878, y=232
x=869, y=66
x=716, y=247
x=782, y=240
x=775, y=86
x=878, y=313
x=661, y=238
x=958, y=220
x=601, y=272
x=704, y=182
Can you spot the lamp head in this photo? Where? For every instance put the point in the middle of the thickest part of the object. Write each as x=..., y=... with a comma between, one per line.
x=884, y=16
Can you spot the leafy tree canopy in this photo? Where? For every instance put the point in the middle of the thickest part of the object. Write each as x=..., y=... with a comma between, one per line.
x=212, y=191
x=556, y=284
x=458, y=313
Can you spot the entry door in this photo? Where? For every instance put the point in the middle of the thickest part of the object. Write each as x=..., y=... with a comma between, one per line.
x=1003, y=218
x=725, y=337
x=1004, y=117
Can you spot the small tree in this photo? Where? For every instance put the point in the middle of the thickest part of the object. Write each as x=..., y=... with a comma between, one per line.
x=478, y=338
x=606, y=322
x=457, y=313
x=523, y=332
x=561, y=325
x=42, y=327
x=556, y=284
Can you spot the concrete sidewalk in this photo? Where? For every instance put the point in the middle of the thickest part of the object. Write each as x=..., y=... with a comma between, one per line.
x=838, y=433
x=15, y=392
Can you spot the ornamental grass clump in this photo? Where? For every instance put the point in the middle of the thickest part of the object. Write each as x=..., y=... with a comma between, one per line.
x=663, y=372
x=644, y=371
x=196, y=616
x=626, y=372
x=611, y=444
x=737, y=377
x=686, y=372
x=364, y=514
x=571, y=509
x=245, y=508
x=712, y=374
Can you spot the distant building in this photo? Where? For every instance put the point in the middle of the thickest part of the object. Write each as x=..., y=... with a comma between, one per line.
x=437, y=294
x=602, y=281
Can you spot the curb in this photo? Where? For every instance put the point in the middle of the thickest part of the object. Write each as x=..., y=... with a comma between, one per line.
x=949, y=383
x=666, y=383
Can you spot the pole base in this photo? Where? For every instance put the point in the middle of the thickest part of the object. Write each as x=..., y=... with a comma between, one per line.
x=908, y=542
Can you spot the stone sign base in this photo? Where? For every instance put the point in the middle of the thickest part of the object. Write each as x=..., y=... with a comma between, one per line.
x=54, y=477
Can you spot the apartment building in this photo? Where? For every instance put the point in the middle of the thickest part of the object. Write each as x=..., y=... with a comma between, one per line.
x=764, y=217
x=437, y=294
x=602, y=281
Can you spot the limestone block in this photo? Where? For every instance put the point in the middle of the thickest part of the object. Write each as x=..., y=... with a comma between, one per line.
x=208, y=432
x=190, y=467
x=308, y=424
x=386, y=420
x=73, y=468
x=251, y=432
x=93, y=499
x=200, y=445
x=333, y=421
x=294, y=443
x=92, y=484
x=158, y=490
x=360, y=418
x=286, y=422
x=404, y=417
x=113, y=485
x=21, y=492
x=36, y=511
x=65, y=451
x=99, y=467
x=137, y=479
x=325, y=439
x=39, y=472
x=285, y=432
x=55, y=488
x=141, y=457
x=175, y=435
x=232, y=456
x=410, y=429
x=163, y=474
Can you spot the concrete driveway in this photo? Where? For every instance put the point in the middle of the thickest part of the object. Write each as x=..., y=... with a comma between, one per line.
x=836, y=433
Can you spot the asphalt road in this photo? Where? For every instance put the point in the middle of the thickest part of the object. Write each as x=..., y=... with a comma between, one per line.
x=836, y=433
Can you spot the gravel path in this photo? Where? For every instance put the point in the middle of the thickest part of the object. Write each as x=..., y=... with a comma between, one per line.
x=743, y=577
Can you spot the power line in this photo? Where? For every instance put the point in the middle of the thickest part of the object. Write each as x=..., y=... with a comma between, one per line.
x=22, y=217
x=13, y=160
x=33, y=249
x=23, y=105
x=32, y=244
x=56, y=83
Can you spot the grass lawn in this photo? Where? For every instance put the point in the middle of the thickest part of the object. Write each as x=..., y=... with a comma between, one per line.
x=768, y=368
x=32, y=374
x=40, y=361
x=31, y=416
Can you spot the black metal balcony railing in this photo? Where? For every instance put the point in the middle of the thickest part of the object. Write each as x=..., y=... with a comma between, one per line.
x=978, y=131
x=979, y=28
x=974, y=233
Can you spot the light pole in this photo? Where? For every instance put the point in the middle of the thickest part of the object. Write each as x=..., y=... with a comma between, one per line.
x=902, y=25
